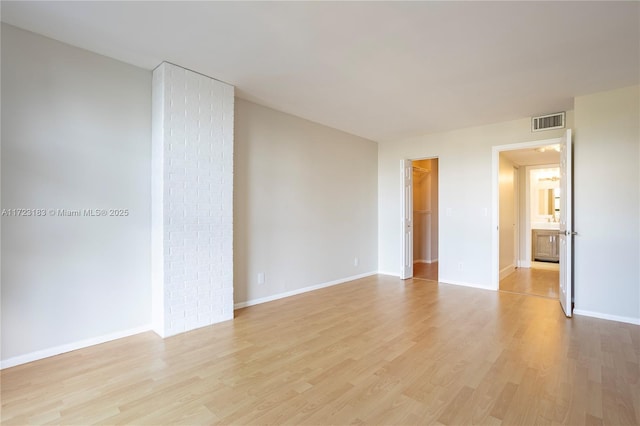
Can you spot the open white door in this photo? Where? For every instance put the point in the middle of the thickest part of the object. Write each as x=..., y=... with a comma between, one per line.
x=407, y=220
x=566, y=224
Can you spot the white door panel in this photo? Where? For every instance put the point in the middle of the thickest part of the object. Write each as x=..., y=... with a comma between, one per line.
x=407, y=220
x=566, y=224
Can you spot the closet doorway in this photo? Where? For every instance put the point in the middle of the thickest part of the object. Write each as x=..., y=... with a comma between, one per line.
x=425, y=219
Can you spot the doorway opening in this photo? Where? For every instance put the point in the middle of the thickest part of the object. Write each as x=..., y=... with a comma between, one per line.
x=425, y=219
x=420, y=219
x=532, y=217
x=529, y=221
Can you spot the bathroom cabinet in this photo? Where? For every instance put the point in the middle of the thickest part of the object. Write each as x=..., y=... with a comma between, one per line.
x=546, y=245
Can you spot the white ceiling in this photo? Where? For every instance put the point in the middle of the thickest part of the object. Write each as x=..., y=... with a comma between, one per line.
x=382, y=70
x=531, y=157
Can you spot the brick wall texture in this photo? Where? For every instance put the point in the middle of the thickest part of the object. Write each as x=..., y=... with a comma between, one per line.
x=195, y=179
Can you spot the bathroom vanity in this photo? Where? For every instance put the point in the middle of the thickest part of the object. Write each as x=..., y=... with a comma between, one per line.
x=546, y=245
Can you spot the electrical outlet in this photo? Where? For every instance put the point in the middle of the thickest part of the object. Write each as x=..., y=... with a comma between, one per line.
x=460, y=266
x=356, y=261
x=260, y=278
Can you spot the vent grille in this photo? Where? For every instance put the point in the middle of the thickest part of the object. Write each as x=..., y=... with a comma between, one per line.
x=547, y=122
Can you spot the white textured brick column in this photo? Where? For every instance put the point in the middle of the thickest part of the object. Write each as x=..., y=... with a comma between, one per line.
x=192, y=200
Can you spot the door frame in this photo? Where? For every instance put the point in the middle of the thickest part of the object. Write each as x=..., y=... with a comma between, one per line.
x=402, y=213
x=495, y=199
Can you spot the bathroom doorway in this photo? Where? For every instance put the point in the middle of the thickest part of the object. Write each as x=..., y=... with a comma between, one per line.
x=529, y=202
x=425, y=219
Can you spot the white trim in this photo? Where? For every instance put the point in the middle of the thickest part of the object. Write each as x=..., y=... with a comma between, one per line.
x=516, y=211
x=506, y=271
x=495, y=217
x=460, y=283
x=406, y=219
x=57, y=350
x=300, y=290
x=628, y=320
x=524, y=264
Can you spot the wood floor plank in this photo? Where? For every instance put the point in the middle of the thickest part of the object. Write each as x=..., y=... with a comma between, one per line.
x=533, y=281
x=455, y=406
x=373, y=351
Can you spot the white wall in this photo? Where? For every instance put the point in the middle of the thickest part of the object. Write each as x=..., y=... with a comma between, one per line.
x=305, y=203
x=75, y=135
x=465, y=210
x=607, y=203
x=524, y=255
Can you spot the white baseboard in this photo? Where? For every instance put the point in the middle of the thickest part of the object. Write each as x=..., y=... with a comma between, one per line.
x=57, y=350
x=506, y=271
x=461, y=283
x=524, y=264
x=628, y=320
x=300, y=290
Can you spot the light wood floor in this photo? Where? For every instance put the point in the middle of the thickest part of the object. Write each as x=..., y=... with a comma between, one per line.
x=378, y=351
x=533, y=281
x=426, y=271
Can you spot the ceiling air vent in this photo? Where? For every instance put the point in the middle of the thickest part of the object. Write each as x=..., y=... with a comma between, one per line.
x=547, y=122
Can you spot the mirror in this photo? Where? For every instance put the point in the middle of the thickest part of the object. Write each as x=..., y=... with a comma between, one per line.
x=548, y=201
x=545, y=202
x=544, y=194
